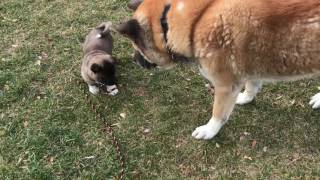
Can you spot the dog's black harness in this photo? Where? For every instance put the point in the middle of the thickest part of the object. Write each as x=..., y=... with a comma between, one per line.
x=164, y=22
x=175, y=57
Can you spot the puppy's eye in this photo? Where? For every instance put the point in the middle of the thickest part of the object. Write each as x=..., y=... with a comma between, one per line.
x=96, y=68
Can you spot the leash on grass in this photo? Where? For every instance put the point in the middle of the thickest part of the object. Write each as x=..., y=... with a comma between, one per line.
x=107, y=128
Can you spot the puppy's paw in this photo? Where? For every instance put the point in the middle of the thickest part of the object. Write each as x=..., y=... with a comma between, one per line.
x=93, y=89
x=207, y=131
x=244, y=98
x=112, y=90
x=315, y=101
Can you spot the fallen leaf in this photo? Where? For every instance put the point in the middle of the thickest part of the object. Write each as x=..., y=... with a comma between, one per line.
x=123, y=115
x=264, y=149
x=295, y=157
x=147, y=130
x=292, y=102
x=180, y=142
x=6, y=87
x=44, y=55
x=254, y=144
x=115, y=124
x=246, y=133
x=247, y=157
x=2, y=132
x=140, y=92
x=19, y=160
x=135, y=173
x=238, y=152
x=25, y=124
x=217, y=145
x=38, y=63
x=89, y=157
x=51, y=159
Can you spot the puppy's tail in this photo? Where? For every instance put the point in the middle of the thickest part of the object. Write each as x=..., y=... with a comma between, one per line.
x=104, y=29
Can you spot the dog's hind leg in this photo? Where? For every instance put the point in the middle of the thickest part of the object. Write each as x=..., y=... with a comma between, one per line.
x=224, y=101
x=315, y=101
x=250, y=92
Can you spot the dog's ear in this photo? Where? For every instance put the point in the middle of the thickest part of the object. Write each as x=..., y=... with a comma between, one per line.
x=130, y=29
x=134, y=4
x=95, y=68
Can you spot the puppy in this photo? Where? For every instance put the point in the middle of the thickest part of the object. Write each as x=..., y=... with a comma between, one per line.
x=236, y=44
x=98, y=66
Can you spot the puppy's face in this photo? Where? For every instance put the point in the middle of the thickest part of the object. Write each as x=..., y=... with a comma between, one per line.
x=145, y=32
x=103, y=70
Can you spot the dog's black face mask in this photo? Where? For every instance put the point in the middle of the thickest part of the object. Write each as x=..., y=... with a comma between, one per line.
x=140, y=60
x=106, y=73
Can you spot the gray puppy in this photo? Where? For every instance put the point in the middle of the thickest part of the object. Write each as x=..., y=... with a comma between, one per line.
x=98, y=66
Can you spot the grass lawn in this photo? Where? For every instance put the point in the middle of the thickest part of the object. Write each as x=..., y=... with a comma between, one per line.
x=47, y=130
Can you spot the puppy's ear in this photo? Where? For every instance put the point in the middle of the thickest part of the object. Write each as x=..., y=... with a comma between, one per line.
x=104, y=28
x=134, y=4
x=95, y=68
x=130, y=29
x=113, y=60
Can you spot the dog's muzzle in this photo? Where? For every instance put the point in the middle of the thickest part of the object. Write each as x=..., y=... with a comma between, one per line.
x=140, y=60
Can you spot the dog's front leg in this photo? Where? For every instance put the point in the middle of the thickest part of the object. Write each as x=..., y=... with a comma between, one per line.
x=93, y=89
x=224, y=100
x=315, y=101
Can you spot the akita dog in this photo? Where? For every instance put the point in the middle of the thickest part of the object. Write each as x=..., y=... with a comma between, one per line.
x=236, y=43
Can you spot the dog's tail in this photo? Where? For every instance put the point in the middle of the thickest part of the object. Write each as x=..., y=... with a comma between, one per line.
x=104, y=29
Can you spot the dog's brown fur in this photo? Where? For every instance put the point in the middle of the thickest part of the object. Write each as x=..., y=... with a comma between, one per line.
x=234, y=42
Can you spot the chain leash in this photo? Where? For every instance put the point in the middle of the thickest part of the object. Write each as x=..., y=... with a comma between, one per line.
x=107, y=128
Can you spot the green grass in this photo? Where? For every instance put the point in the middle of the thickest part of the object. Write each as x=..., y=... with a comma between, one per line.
x=47, y=130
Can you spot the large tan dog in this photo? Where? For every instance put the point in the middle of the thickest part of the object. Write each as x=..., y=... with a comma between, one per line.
x=237, y=43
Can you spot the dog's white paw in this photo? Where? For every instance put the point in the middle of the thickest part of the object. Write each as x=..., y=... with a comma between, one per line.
x=315, y=101
x=207, y=131
x=244, y=98
x=93, y=89
x=112, y=90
